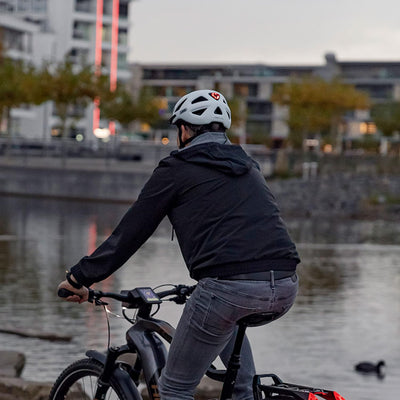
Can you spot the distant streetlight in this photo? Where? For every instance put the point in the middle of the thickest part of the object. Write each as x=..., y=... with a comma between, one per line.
x=102, y=133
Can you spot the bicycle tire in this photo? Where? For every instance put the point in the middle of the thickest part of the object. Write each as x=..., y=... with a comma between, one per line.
x=79, y=382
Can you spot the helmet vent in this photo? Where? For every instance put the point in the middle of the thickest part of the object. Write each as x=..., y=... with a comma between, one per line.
x=199, y=99
x=180, y=105
x=199, y=112
x=218, y=111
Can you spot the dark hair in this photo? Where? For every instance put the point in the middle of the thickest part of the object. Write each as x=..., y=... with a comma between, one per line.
x=199, y=129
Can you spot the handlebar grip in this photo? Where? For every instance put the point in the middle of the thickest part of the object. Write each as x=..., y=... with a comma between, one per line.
x=64, y=293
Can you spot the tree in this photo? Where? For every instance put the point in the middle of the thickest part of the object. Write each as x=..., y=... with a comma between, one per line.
x=316, y=107
x=387, y=117
x=18, y=85
x=69, y=86
x=120, y=106
x=238, y=107
x=117, y=105
x=148, y=107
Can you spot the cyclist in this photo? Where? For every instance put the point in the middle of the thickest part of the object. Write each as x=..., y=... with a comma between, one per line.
x=231, y=235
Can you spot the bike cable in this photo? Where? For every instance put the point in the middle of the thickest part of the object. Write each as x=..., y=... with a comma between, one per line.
x=108, y=312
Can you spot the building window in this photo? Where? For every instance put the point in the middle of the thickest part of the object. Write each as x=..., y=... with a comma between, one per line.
x=122, y=62
x=16, y=40
x=81, y=30
x=24, y=5
x=107, y=33
x=368, y=128
x=123, y=10
x=106, y=59
x=379, y=92
x=79, y=56
x=107, y=7
x=245, y=89
x=87, y=6
x=6, y=8
x=39, y=6
x=259, y=108
x=123, y=37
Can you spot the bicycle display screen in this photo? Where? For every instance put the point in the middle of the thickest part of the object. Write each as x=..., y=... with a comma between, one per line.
x=148, y=295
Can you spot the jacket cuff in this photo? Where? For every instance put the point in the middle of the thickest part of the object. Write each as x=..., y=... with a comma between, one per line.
x=78, y=275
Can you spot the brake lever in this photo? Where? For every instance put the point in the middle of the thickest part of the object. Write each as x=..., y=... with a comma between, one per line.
x=95, y=300
x=179, y=299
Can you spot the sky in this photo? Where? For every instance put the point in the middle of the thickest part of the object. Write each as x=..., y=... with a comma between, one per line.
x=275, y=32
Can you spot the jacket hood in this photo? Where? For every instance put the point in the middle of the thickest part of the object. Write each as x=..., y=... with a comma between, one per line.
x=229, y=159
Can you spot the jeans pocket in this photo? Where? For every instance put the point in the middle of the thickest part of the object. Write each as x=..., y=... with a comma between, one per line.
x=221, y=315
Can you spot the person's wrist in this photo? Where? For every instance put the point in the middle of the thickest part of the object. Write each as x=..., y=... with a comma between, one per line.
x=72, y=281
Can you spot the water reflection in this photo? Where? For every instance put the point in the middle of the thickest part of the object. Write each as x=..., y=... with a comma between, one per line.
x=347, y=310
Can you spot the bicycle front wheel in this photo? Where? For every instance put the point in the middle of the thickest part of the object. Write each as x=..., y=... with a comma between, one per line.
x=79, y=382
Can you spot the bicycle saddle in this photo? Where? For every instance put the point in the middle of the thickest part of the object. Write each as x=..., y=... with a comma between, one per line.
x=258, y=319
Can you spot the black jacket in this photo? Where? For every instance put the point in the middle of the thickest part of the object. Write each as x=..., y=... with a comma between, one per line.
x=224, y=215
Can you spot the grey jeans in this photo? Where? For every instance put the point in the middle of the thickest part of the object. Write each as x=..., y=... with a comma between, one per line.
x=207, y=329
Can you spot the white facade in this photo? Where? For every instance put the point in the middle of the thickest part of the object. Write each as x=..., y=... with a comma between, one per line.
x=51, y=30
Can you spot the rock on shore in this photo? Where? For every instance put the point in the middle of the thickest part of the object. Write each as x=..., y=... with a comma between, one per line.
x=13, y=387
x=20, y=389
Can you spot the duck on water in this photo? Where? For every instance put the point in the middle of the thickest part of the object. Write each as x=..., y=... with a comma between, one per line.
x=367, y=367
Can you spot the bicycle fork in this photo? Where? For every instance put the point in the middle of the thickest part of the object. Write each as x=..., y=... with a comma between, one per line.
x=103, y=383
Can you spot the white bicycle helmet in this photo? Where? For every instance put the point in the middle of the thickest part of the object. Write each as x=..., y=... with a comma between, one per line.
x=202, y=107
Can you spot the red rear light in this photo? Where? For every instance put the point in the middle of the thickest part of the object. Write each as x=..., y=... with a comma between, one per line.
x=337, y=396
x=326, y=395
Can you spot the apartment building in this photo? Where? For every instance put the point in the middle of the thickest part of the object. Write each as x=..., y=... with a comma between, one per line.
x=93, y=32
x=255, y=83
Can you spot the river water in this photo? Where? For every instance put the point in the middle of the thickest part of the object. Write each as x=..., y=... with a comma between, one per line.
x=348, y=308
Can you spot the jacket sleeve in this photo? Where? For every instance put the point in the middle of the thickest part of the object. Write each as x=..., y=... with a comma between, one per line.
x=137, y=225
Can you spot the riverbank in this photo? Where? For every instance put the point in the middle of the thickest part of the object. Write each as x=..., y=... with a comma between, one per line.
x=329, y=186
x=340, y=195
x=13, y=387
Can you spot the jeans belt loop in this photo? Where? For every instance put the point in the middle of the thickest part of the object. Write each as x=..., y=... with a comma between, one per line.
x=272, y=278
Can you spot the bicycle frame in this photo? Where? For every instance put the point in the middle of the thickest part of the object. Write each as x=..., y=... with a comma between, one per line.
x=151, y=350
x=143, y=339
x=151, y=357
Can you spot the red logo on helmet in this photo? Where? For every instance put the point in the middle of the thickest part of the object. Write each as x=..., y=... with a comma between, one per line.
x=215, y=95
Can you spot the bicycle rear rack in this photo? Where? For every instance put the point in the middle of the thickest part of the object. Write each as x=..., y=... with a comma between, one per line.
x=280, y=390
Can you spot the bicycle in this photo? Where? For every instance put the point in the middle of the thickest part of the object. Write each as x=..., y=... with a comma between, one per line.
x=104, y=376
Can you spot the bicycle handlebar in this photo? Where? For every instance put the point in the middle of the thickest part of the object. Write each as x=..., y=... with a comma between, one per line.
x=181, y=292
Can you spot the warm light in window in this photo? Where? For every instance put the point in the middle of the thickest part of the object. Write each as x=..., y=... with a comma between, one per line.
x=363, y=128
x=145, y=127
x=367, y=128
x=371, y=128
x=328, y=148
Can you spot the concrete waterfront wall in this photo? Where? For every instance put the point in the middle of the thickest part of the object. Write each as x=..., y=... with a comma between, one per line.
x=331, y=186
x=75, y=179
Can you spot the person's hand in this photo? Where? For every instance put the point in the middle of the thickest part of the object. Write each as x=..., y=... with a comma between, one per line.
x=80, y=295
